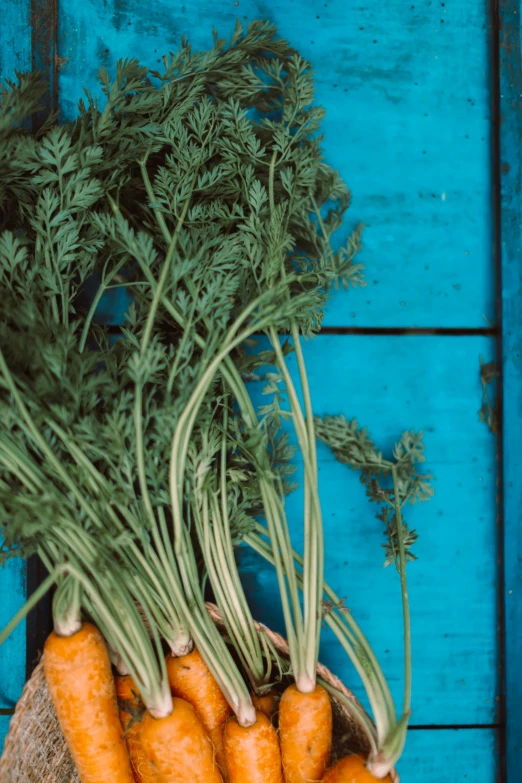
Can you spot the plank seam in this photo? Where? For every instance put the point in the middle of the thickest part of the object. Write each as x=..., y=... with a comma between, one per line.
x=406, y=331
x=496, y=177
x=382, y=331
x=454, y=726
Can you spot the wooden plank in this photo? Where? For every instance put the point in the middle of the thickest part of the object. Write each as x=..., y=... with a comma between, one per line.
x=15, y=38
x=447, y=756
x=392, y=384
x=12, y=652
x=408, y=125
x=15, y=55
x=511, y=250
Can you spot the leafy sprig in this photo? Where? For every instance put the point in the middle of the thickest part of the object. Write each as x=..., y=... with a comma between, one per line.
x=353, y=446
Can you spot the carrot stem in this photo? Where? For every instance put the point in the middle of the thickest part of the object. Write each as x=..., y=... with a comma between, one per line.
x=345, y=626
x=67, y=608
x=313, y=528
x=405, y=599
x=356, y=647
x=357, y=713
x=316, y=556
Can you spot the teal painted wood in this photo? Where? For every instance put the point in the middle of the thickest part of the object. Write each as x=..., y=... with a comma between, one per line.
x=450, y=757
x=511, y=249
x=15, y=38
x=12, y=652
x=392, y=384
x=15, y=54
x=406, y=92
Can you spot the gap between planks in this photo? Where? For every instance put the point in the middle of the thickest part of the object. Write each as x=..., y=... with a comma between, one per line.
x=454, y=727
x=391, y=331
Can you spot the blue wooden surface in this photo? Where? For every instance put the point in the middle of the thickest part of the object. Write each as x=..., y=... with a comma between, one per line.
x=15, y=38
x=461, y=756
x=405, y=86
x=511, y=214
x=15, y=54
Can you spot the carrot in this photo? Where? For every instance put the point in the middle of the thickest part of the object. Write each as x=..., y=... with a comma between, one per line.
x=264, y=704
x=351, y=769
x=252, y=753
x=79, y=677
x=305, y=732
x=129, y=706
x=191, y=679
x=178, y=746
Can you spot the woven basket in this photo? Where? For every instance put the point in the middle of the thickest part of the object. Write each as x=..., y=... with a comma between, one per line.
x=35, y=750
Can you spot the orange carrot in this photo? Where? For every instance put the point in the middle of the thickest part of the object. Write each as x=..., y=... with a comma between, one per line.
x=79, y=677
x=128, y=702
x=264, y=704
x=191, y=679
x=178, y=746
x=305, y=732
x=252, y=753
x=351, y=769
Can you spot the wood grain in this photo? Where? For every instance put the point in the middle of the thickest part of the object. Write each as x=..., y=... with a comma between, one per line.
x=450, y=757
x=511, y=250
x=15, y=38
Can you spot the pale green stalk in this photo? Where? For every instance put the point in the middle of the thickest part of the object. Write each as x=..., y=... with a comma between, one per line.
x=405, y=599
x=379, y=697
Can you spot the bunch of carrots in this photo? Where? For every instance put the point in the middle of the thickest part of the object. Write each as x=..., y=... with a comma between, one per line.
x=135, y=466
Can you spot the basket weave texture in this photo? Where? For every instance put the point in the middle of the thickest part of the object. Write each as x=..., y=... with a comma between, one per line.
x=35, y=750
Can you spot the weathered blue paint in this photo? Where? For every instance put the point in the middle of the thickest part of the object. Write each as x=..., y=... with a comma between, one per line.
x=511, y=249
x=391, y=384
x=450, y=757
x=15, y=54
x=405, y=86
x=15, y=38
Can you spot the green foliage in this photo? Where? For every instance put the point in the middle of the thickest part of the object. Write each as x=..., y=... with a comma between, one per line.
x=390, y=483
x=203, y=189
x=489, y=410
